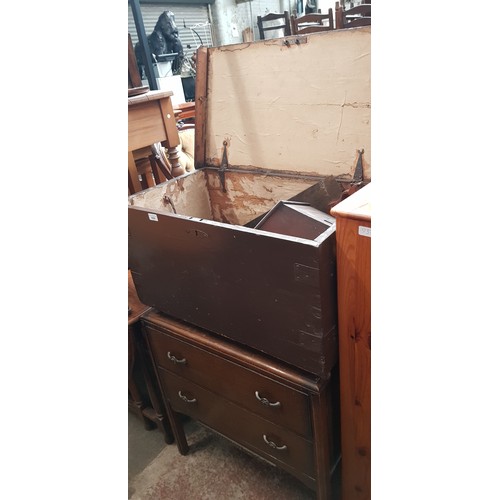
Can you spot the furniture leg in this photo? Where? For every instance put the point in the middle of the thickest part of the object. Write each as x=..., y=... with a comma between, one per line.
x=133, y=176
x=153, y=391
x=135, y=398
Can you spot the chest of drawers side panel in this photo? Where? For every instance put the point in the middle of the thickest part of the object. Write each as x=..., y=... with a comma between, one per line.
x=354, y=303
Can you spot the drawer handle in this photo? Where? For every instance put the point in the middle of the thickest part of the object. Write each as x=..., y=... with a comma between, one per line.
x=185, y=399
x=266, y=401
x=172, y=358
x=273, y=445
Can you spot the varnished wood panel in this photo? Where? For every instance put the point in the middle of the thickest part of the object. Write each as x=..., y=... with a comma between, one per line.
x=216, y=385
x=234, y=382
x=354, y=310
x=169, y=122
x=145, y=125
x=238, y=424
x=267, y=291
x=201, y=106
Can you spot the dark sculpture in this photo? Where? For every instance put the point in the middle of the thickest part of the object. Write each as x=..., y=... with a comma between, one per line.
x=163, y=40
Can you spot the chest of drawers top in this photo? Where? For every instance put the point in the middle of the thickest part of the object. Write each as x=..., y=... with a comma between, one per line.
x=230, y=351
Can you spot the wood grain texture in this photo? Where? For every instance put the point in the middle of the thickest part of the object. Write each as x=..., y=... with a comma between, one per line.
x=151, y=120
x=145, y=125
x=144, y=393
x=214, y=380
x=354, y=307
x=199, y=194
x=152, y=95
x=136, y=306
x=201, y=106
x=134, y=79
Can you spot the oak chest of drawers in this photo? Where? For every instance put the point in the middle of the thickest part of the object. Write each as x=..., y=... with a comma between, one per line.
x=283, y=415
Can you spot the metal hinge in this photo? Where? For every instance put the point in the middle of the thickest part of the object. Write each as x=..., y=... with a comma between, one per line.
x=297, y=41
x=223, y=166
x=358, y=172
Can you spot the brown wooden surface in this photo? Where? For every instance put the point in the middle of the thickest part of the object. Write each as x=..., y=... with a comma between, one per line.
x=291, y=285
x=151, y=119
x=293, y=408
x=201, y=106
x=134, y=79
x=152, y=95
x=271, y=17
x=360, y=15
x=136, y=306
x=144, y=398
x=239, y=425
x=185, y=112
x=312, y=23
x=328, y=452
x=146, y=125
x=134, y=184
x=214, y=381
x=354, y=309
x=138, y=90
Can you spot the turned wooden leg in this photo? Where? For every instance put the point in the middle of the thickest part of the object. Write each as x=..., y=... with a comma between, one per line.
x=172, y=134
x=173, y=159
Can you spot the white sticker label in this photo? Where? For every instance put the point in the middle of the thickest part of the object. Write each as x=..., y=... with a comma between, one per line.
x=153, y=217
x=365, y=231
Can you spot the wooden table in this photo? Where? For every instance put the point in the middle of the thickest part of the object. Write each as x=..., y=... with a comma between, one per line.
x=151, y=119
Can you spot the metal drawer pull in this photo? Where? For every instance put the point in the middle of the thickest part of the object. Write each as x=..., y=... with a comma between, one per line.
x=266, y=401
x=273, y=445
x=172, y=358
x=185, y=399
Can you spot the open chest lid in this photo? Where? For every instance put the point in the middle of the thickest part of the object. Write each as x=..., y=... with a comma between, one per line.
x=298, y=103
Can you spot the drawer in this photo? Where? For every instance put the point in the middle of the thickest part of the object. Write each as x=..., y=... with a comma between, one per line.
x=265, y=438
x=269, y=398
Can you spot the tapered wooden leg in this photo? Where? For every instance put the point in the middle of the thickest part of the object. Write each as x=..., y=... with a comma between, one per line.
x=178, y=430
x=159, y=414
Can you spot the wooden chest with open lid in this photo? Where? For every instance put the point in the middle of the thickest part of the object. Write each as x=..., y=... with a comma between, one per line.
x=279, y=123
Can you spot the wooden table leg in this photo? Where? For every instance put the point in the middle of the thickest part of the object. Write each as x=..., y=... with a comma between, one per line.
x=170, y=124
x=134, y=185
x=173, y=159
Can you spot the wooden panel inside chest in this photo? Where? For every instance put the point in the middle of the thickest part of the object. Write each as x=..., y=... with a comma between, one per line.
x=247, y=195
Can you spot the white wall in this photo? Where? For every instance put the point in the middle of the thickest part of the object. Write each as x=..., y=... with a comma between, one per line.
x=227, y=14
x=231, y=18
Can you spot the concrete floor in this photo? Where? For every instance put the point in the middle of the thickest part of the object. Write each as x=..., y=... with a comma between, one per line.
x=143, y=445
x=213, y=469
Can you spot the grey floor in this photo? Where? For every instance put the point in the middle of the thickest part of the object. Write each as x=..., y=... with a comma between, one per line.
x=144, y=446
